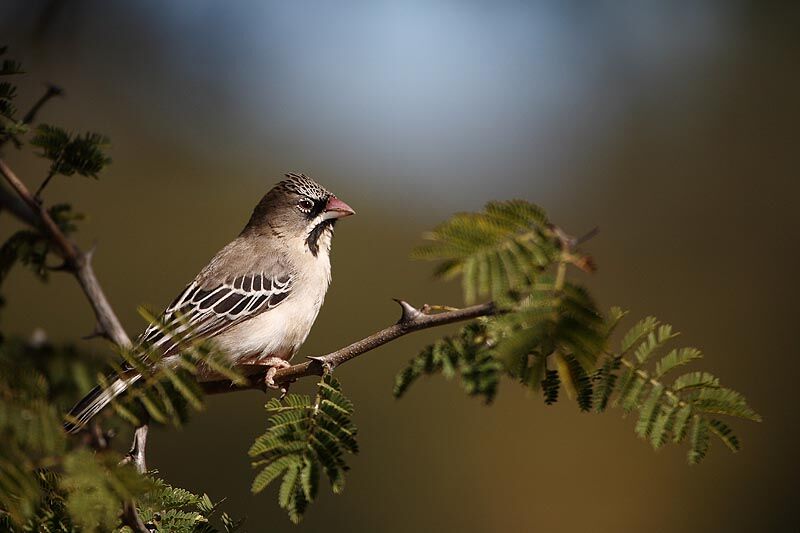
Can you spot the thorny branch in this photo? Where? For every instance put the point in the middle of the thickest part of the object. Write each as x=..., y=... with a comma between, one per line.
x=411, y=320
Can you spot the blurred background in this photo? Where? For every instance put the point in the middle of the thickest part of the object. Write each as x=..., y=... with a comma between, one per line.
x=670, y=125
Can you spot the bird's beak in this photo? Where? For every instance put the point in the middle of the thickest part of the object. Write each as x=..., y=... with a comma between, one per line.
x=337, y=209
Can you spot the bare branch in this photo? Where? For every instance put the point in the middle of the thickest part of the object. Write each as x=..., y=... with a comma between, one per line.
x=411, y=320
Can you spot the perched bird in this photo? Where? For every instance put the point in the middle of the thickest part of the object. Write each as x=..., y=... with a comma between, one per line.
x=257, y=299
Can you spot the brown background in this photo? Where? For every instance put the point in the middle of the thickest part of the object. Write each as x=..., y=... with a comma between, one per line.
x=672, y=127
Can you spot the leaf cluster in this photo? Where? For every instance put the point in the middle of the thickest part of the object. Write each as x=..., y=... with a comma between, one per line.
x=305, y=436
x=32, y=249
x=46, y=482
x=549, y=335
x=497, y=251
x=54, y=484
x=669, y=412
x=9, y=124
x=70, y=153
x=465, y=354
x=168, y=508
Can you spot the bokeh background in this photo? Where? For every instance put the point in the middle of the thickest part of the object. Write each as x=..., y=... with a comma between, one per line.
x=670, y=125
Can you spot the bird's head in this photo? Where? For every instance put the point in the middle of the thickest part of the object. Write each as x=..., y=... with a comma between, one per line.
x=299, y=207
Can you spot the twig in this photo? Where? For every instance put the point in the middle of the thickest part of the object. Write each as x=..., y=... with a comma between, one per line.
x=52, y=91
x=411, y=320
x=38, y=194
x=131, y=518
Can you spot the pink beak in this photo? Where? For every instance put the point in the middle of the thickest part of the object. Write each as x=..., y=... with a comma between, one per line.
x=338, y=209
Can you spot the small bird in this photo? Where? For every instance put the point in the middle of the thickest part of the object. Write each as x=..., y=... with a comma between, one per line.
x=257, y=299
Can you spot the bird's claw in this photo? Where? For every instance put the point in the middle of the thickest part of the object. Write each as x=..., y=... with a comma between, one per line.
x=275, y=364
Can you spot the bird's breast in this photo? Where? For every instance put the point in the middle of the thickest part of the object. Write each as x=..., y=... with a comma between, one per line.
x=279, y=332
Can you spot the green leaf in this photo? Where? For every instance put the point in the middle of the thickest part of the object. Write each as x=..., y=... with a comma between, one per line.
x=96, y=488
x=698, y=439
x=725, y=434
x=605, y=383
x=465, y=355
x=272, y=472
x=642, y=328
x=676, y=358
x=681, y=422
x=653, y=342
x=498, y=250
x=725, y=402
x=649, y=411
x=630, y=400
x=70, y=154
x=550, y=386
x=305, y=436
x=662, y=426
x=693, y=380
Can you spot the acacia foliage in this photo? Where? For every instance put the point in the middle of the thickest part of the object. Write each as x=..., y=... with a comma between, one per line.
x=305, y=436
x=549, y=335
x=50, y=482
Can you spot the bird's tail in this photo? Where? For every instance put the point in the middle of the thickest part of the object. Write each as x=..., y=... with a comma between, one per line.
x=96, y=400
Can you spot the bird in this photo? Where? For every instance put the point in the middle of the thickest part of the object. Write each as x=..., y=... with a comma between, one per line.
x=258, y=297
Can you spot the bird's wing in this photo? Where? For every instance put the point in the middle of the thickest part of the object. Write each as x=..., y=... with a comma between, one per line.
x=206, y=309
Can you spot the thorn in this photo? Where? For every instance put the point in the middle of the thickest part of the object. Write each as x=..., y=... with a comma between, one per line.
x=63, y=267
x=98, y=332
x=88, y=255
x=410, y=313
x=586, y=263
x=327, y=366
x=588, y=235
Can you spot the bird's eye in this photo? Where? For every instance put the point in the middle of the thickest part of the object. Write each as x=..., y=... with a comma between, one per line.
x=305, y=204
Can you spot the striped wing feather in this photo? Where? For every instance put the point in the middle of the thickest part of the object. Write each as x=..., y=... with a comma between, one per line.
x=206, y=311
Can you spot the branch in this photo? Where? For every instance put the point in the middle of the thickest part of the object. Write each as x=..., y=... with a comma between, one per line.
x=130, y=518
x=411, y=320
x=51, y=92
x=75, y=260
x=80, y=264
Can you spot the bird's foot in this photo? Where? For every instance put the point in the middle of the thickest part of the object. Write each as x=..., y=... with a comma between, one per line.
x=274, y=364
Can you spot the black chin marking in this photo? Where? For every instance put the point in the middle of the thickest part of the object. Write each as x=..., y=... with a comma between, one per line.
x=312, y=241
